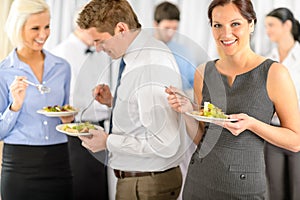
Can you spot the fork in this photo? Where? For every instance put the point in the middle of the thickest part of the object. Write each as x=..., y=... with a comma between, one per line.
x=42, y=88
x=91, y=102
x=182, y=95
x=87, y=107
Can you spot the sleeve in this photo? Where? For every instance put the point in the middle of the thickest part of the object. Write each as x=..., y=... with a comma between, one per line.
x=67, y=83
x=8, y=118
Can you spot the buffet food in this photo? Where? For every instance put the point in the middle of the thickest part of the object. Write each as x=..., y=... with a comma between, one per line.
x=78, y=128
x=210, y=110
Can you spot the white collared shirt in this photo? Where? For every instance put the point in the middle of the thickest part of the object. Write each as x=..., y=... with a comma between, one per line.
x=147, y=134
x=292, y=63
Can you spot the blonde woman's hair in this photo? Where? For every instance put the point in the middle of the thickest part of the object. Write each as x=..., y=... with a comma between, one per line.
x=19, y=13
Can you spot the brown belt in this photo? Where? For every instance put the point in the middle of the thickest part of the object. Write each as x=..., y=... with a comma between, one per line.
x=126, y=174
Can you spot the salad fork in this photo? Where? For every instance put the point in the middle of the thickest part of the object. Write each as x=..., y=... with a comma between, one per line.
x=42, y=88
x=87, y=107
x=91, y=102
x=182, y=95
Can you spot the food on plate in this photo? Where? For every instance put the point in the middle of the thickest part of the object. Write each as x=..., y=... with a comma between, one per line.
x=56, y=108
x=210, y=110
x=79, y=128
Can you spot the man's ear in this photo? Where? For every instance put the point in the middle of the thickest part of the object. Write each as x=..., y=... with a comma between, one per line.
x=121, y=27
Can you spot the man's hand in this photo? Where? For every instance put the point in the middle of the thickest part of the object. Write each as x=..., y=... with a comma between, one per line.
x=103, y=95
x=95, y=142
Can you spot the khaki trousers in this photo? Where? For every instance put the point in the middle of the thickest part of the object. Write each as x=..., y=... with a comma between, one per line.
x=163, y=186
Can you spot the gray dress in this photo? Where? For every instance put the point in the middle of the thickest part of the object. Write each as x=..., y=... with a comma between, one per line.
x=225, y=166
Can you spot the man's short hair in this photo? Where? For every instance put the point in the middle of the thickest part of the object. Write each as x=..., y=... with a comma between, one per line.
x=104, y=15
x=166, y=11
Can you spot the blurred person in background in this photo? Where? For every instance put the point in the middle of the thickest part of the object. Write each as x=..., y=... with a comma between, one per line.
x=229, y=161
x=87, y=68
x=166, y=23
x=283, y=166
x=35, y=162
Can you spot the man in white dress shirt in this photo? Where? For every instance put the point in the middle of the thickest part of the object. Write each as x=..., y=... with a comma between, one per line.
x=147, y=139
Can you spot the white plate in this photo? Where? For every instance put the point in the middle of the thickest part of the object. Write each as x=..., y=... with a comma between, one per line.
x=57, y=114
x=60, y=127
x=210, y=119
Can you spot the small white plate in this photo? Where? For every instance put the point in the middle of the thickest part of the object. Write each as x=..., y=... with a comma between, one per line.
x=209, y=119
x=60, y=127
x=57, y=114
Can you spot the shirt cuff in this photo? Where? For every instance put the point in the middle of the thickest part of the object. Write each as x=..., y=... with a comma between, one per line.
x=10, y=115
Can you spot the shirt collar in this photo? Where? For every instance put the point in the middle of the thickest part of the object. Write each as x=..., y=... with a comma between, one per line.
x=295, y=51
x=15, y=62
x=137, y=44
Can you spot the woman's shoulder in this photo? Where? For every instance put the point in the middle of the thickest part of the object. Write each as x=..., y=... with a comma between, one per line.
x=5, y=63
x=9, y=61
x=278, y=71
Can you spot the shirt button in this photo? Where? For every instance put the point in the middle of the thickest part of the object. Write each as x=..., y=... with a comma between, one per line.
x=242, y=176
x=46, y=137
x=45, y=122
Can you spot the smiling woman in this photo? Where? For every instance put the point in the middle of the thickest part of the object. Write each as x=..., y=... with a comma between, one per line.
x=229, y=161
x=37, y=173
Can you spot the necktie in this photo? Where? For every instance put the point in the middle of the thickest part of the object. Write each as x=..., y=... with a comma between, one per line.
x=121, y=69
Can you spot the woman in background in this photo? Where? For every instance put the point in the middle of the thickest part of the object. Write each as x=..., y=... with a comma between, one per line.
x=283, y=166
x=35, y=163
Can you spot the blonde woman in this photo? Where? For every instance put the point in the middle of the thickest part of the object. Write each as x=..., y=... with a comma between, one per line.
x=35, y=161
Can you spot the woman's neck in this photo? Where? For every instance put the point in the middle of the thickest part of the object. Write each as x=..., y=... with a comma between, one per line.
x=284, y=46
x=29, y=55
x=35, y=60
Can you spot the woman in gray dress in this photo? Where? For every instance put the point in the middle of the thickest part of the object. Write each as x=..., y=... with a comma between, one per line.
x=229, y=160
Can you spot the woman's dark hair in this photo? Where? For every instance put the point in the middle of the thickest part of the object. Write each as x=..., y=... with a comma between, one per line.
x=284, y=14
x=245, y=7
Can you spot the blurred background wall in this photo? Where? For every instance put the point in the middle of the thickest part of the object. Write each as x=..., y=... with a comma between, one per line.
x=194, y=21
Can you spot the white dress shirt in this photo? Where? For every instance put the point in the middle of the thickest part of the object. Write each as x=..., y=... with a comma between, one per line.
x=292, y=63
x=88, y=70
x=147, y=134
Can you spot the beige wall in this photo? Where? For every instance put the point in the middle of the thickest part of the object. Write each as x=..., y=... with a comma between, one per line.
x=4, y=42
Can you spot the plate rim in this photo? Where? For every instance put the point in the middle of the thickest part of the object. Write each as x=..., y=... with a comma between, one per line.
x=57, y=114
x=74, y=134
x=210, y=119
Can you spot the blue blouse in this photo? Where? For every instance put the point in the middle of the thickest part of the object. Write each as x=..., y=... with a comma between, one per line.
x=26, y=126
